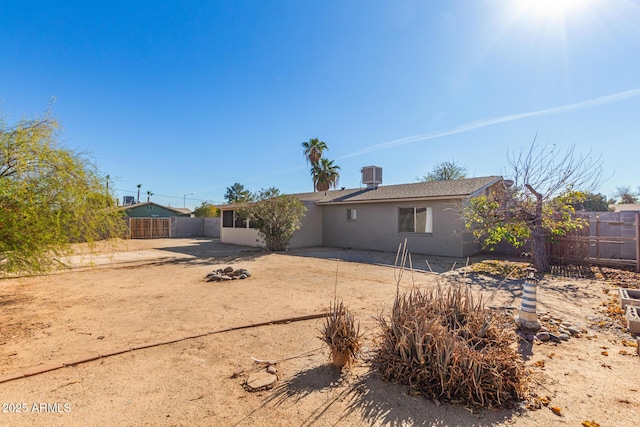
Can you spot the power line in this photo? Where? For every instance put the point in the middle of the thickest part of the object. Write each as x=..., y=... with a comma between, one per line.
x=172, y=197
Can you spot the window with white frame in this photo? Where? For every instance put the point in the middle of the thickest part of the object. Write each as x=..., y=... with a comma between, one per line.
x=415, y=220
x=351, y=214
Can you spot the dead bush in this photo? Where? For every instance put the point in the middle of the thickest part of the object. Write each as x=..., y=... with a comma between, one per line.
x=342, y=335
x=445, y=345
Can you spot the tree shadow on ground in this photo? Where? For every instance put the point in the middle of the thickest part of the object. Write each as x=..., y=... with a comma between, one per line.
x=375, y=402
x=315, y=380
x=318, y=379
x=425, y=263
x=382, y=403
x=211, y=248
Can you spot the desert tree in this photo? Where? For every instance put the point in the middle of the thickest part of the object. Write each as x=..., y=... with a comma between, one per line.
x=50, y=197
x=444, y=171
x=624, y=194
x=593, y=203
x=538, y=202
x=206, y=210
x=237, y=193
x=275, y=216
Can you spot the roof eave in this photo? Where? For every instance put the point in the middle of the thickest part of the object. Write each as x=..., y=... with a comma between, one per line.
x=394, y=200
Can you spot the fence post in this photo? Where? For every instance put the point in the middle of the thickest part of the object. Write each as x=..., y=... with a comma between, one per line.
x=598, y=238
x=638, y=242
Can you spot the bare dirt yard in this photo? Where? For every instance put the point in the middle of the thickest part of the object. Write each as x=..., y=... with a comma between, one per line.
x=147, y=292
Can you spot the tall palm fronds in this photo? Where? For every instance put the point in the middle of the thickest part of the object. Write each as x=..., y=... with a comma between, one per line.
x=325, y=174
x=313, y=150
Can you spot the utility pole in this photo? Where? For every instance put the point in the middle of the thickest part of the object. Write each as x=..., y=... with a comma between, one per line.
x=184, y=199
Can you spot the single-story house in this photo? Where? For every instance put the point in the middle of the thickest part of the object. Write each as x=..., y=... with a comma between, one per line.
x=623, y=207
x=379, y=217
x=154, y=210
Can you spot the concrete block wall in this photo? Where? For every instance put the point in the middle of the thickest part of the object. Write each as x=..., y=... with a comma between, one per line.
x=195, y=227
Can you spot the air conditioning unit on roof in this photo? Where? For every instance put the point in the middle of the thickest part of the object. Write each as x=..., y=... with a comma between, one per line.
x=371, y=176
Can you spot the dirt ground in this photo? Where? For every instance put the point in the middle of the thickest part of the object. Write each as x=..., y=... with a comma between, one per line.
x=144, y=292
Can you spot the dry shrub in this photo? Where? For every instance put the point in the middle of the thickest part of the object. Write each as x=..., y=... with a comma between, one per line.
x=443, y=344
x=501, y=268
x=342, y=334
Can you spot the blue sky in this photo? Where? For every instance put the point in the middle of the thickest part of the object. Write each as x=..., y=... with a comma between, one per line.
x=193, y=96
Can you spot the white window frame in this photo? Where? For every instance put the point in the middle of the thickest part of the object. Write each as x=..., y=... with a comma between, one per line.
x=417, y=210
x=352, y=214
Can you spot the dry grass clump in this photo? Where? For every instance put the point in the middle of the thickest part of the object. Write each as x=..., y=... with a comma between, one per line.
x=443, y=344
x=342, y=335
x=501, y=268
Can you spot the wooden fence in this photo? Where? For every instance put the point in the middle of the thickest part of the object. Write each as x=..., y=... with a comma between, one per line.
x=612, y=238
x=149, y=228
x=173, y=227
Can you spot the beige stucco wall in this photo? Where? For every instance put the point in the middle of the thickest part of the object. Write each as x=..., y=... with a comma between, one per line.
x=376, y=228
x=240, y=236
x=310, y=234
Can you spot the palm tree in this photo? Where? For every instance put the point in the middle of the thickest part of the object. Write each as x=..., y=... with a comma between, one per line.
x=313, y=150
x=149, y=194
x=325, y=175
x=139, y=186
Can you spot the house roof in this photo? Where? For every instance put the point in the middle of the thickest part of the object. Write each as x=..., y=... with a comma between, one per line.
x=449, y=189
x=458, y=188
x=621, y=207
x=171, y=208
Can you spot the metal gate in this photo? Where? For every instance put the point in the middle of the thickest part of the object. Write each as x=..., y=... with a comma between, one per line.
x=149, y=228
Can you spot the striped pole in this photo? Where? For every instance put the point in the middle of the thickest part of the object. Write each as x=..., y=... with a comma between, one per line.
x=528, y=316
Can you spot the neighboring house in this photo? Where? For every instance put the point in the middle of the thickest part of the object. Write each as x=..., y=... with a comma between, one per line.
x=154, y=210
x=427, y=214
x=622, y=207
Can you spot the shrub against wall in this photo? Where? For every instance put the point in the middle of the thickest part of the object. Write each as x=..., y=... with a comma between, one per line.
x=275, y=217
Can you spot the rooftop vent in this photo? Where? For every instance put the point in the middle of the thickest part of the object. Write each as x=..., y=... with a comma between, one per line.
x=371, y=176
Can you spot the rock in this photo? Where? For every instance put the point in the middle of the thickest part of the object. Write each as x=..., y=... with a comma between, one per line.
x=242, y=276
x=225, y=278
x=564, y=337
x=543, y=336
x=260, y=381
x=554, y=338
x=522, y=335
x=545, y=317
x=237, y=373
x=272, y=369
x=574, y=331
x=234, y=278
x=530, y=337
x=565, y=324
x=564, y=331
x=228, y=270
